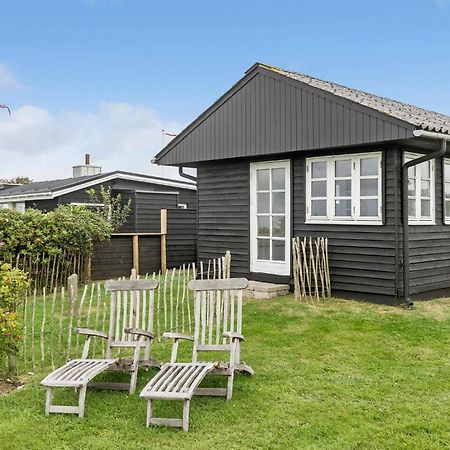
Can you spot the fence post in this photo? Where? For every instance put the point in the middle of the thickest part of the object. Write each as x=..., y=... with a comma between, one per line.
x=136, y=253
x=73, y=290
x=163, y=240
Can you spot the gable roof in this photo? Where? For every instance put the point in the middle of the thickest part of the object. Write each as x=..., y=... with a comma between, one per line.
x=419, y=117
x=246, y=120
x=41, y=190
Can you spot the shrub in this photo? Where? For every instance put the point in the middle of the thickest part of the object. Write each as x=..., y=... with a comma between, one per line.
x=73, y=229
x=13, y=284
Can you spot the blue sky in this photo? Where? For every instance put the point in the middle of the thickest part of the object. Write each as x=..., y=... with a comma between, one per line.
x=104, y=76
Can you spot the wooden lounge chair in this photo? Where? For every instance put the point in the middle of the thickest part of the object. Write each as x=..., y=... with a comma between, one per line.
x=130, y=327
x=218, y=328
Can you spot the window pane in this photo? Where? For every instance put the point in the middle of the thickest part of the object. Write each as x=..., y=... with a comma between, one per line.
x=278, y=248
x=262, y=179
x=278, y=228
x=412, y=187
x=447, y=172
x=263, y=248
x=425, y=170
x=412, y=208
x=318, y=208
x=278, y=202
x=343, y=208
x=425, y=191
x=369, y=187
x=412, y=172
x=369, y=208
x=264, y=226
x=447, y=190
x=278, y=179
x=343, y=188
x=447, y=209
x=319, y=189
x=263, y=203
x=369, y=166
x=425, y=208
x=343, y=168
x=319, y=169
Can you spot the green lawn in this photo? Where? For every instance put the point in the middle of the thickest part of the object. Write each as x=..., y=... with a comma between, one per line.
x=336, y=375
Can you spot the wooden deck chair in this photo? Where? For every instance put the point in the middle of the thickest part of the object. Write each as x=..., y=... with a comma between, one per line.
x=130, y=327
x=218, y=328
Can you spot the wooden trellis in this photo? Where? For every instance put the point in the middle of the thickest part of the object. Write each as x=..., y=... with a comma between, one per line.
x=311, y=268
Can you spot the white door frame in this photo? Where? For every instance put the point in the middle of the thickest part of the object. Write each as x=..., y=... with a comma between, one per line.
x=268, y=266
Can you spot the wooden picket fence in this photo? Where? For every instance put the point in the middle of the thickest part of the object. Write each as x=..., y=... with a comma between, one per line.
x=311, y=268
x=49, y=319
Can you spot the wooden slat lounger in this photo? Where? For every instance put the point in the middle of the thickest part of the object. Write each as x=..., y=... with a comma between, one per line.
x=218, y=328
x=131, y=322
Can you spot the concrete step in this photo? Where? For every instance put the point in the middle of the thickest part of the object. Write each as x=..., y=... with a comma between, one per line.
x=264, y=291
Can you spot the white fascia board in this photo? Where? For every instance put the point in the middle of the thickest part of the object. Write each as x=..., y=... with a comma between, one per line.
x=52, y=195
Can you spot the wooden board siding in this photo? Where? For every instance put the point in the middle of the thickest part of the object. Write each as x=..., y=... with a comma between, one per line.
x=181, y=237
x=430, y=248
x=267, y=113
x=362, y=257
x=223, y=213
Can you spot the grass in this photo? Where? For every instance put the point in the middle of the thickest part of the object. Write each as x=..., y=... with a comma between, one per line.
x=336, y=375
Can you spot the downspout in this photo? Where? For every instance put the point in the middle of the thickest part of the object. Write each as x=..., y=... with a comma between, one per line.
x=186, y=175
x=443, y=138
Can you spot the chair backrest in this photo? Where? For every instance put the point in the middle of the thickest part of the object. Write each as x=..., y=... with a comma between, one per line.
x=131, y=306
x=217, y=309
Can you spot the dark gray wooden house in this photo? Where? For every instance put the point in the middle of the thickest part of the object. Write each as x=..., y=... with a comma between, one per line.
x=282, y=154
x=148, y=196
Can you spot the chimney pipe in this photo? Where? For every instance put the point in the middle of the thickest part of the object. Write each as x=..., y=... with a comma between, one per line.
x=87, y=159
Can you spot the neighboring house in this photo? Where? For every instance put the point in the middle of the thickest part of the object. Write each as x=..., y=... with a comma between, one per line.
x=283, y=154
x=148, y=196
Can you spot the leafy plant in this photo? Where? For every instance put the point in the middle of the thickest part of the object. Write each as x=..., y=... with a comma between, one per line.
x=13, y=284
x=112, y=208
x=73, y=229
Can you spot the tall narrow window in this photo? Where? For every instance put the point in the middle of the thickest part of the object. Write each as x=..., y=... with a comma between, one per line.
x=344, y=189
x=447, y=190
x=420, y=191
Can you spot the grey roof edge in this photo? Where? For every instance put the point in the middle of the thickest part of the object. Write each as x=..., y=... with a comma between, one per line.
x=257, y=67
x=79, y=182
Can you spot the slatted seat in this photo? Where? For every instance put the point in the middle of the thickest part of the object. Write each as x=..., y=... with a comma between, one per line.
x=77, y=372
x=130, y=326
x=218, y=328
x=175, y=382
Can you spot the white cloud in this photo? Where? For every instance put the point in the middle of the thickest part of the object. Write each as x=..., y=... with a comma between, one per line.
x=443, y=5
x=119, y=136
x=8, y=80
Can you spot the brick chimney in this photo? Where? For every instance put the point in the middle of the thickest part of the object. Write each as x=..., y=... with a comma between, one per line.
x=86, y=169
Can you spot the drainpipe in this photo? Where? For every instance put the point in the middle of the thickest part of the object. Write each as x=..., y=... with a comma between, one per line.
x=443, y=138
x=186, y=175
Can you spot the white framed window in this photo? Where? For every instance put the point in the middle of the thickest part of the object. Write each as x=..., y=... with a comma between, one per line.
x=421, y=191
x=270, y=217
x=182, y=205
x=344, y=189
x=447, y=191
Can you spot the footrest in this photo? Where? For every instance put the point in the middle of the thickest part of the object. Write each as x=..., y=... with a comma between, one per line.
x=176, y=381
x=77, y=372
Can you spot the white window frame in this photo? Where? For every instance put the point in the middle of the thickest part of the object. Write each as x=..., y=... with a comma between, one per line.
x=356, y=218
x=418, y=219
x=266, y=266
x=446, y=200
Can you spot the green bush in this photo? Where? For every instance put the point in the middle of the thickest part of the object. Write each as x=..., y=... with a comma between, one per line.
x=73, y=229
x=13, y=284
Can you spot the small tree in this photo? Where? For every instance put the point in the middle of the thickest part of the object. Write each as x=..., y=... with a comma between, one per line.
x=13, y=284
x=17, y=180
x=112, y=208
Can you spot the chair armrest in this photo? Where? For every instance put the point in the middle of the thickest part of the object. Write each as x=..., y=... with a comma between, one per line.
x=139, y=332
x=89, y=332
x=232, y=336
x=170, y=335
